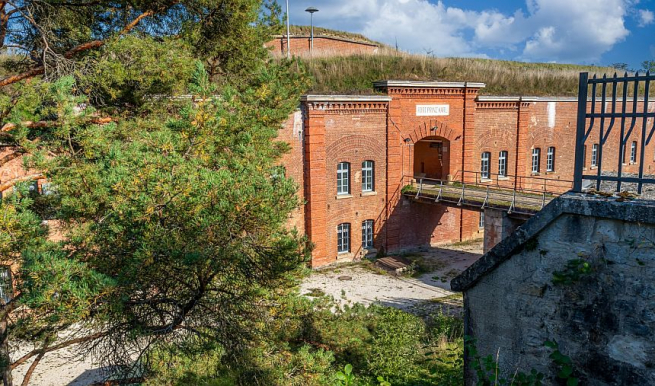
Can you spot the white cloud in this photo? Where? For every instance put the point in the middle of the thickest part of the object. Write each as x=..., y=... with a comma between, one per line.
x=646, y=17
x=551, y=30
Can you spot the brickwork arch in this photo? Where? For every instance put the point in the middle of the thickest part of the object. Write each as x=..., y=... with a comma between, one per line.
x=425, y=130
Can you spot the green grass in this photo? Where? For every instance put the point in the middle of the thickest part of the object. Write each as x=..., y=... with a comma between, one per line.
x=355, y=74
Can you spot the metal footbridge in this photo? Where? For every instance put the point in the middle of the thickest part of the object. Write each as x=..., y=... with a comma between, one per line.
x=517, y=195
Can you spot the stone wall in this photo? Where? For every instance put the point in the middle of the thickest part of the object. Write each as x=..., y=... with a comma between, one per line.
x=603, y=320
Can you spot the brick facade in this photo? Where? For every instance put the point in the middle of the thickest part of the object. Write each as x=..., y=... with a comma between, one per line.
x=323, y=46
x=403, y=140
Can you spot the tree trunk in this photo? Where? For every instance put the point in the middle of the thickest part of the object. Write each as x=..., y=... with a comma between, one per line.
x=5, y=361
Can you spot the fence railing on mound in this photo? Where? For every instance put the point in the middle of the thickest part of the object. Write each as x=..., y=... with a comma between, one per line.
x=618, y=114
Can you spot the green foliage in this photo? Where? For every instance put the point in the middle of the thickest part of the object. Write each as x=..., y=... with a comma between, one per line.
x=574, y=271
x=564, y=363
x=488, y=373
x=346, y=377
x=648, y=65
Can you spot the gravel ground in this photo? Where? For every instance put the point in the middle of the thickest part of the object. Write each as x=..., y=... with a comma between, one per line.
x=363, y=283
x=357, y=283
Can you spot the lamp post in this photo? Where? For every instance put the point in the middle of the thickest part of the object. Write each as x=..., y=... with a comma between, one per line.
x=311, y=11
x=288, y=46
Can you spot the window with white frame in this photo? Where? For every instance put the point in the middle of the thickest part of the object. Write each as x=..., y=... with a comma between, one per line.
x=481, y=222
x=484, y=164
x=633, y=152
x=502, y=164
x=594, y=155
x=368, y=176
x=343, y=178
x=343, y=238
x=550, y=159
x=367, y=234
x=6, y=287
x=536, y=155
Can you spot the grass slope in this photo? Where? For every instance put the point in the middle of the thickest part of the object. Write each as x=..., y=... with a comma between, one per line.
x=356, y=74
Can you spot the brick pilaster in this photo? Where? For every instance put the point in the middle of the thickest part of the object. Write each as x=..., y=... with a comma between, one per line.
x=315, y=190
x=469, y=156
x=522, y=121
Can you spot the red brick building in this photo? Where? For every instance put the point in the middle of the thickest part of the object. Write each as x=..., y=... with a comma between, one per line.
x=323, y=46
x=352, y=155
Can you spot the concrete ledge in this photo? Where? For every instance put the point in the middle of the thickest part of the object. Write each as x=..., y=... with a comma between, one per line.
x=426, y=84
x=639, y=211
x=345, y=98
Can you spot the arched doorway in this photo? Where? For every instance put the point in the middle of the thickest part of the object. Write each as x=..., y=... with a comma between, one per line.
x=431, y=158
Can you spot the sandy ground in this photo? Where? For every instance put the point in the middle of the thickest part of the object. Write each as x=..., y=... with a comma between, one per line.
x=357, y=283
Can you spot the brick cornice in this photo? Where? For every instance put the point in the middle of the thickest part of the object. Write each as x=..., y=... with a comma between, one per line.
x=350, y=107
x=425, y=92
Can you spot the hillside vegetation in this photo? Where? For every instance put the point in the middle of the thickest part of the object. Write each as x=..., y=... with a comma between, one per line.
x=356, y=74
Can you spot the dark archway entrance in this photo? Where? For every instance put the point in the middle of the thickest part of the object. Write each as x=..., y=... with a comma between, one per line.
x=431, y=158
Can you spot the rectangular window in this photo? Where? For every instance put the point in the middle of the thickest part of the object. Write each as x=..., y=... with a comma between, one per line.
x=502, y=164
x=536, y=154
x=343, y=238
x=367, y=234
x=343, y=178
x=594, y=155
x=633, y=152
x=6, y=286
x=368, y=173
x=484, y=165
x=481, y=222
x=550, y=159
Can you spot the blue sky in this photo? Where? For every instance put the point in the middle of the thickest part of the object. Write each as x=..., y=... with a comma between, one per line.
x=563, y=31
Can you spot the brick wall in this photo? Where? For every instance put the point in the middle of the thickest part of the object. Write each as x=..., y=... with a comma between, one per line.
x=294, y=163
x=323, y=46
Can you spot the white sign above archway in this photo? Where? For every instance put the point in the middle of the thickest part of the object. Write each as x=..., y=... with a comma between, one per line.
x=432, y=110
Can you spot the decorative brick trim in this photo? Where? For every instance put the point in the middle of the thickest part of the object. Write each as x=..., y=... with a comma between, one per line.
x=349, y=107
x=416, y=92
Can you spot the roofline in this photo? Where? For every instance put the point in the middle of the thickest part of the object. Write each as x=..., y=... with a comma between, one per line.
x=426, y=84
x=345, y=98
x=640, y=211
x=328, y=37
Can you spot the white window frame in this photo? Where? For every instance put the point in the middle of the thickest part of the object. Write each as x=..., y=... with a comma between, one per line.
x=633, y=152
x=485, y=159
x=343, y=178
x=502, y=163
x=536, y=159
x=368, y=176
x=550, y=159
x=367, y=234
x=6, y=284
x=343, y=238
x=594, y=155
x=481, y=221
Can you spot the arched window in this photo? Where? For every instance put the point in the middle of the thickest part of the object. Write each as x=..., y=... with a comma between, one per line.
x=343, y=178
x=343, y=238
x=536, y=155
x=633, y=152
x=550, y=159
x=484, y=164
x=367, y=234
x=368, y=176
x=502, y=164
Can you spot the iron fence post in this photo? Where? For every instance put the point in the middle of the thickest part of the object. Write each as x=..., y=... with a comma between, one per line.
x=580, y=132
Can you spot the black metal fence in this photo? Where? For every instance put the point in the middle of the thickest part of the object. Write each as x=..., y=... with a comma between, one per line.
x=614, y=111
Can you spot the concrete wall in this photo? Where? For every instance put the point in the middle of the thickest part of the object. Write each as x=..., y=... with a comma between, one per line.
x=604, y=321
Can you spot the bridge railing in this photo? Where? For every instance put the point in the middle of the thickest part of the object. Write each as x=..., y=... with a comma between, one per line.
x=524, y=184
x=511, y=193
